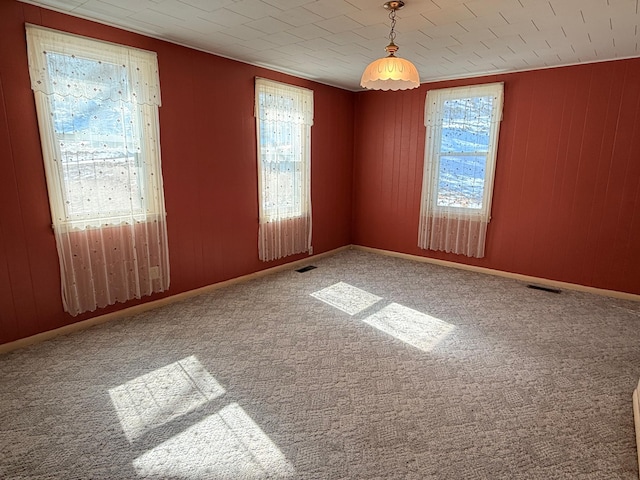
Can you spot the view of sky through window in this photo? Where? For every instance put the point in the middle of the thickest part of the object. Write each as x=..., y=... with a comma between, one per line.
x=281, y=145
x=464, y=145
x=97, y=138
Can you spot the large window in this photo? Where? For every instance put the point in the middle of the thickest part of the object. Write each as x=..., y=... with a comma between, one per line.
x=284, y=115
x=97, y=107
x=99, y=142
x=460, y=154
x=282, y=152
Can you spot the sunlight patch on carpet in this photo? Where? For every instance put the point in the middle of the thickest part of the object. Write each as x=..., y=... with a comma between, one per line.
x=345, y=297
x=158, y=397
x=412, y=327
x=227, y=444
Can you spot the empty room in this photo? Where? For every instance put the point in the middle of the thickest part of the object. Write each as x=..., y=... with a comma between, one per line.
x=319, y=239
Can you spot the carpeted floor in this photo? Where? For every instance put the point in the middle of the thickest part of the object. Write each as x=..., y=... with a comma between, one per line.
x=367, y=367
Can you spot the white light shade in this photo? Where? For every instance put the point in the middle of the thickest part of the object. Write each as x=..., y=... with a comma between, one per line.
x=390, y=73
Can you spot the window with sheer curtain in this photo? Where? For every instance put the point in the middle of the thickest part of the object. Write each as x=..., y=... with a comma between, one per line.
x=460, y=155
x=97, y=106
x=284, y=116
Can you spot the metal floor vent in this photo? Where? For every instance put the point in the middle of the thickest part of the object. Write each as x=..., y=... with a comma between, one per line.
x=306, y=269
x=544, y=289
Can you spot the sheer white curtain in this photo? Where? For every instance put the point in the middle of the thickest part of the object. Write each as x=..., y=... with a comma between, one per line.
x=460, y=152
x=284, y=116
x=97, y=106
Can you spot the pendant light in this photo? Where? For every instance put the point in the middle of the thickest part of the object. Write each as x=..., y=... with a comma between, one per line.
x=391, y=72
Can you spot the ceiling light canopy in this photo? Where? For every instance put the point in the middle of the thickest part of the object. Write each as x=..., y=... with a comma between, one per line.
x=391, y=72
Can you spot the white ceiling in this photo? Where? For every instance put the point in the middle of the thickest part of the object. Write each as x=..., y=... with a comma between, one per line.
x=332, y=41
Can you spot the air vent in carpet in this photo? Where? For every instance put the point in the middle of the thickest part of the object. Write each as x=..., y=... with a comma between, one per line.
x=544, y=289
x=306, y=269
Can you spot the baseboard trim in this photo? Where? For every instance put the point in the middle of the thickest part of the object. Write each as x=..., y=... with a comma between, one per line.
x=143, y=307
x=636, y=419
x=500, y=273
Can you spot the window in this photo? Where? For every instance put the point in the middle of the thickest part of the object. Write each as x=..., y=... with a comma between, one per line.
x=281, y=151
x=99, y=142
x=460, y=153
x=97, y=106
x=284, y=115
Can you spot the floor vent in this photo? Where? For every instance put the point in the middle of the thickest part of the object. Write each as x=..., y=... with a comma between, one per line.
x=306, y=269
x=544, y=289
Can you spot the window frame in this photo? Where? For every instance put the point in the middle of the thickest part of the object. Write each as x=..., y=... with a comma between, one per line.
x=146, y=123
x=303, y=209
x=435, y=100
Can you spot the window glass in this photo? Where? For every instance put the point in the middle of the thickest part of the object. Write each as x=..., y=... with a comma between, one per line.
x=464, y=145
x=98, y=140
x=281, y=149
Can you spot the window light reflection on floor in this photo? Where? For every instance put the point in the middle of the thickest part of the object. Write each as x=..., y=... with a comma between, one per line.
x=412, y=327
x=347, y=298
x=227, y=444
x=158, y=397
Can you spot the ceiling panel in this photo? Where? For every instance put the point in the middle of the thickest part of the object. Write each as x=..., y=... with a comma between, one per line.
x=332, y=41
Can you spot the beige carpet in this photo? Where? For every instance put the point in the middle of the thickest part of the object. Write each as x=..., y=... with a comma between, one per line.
x=367, y=367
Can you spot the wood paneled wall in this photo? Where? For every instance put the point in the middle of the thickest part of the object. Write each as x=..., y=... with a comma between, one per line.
x=566, y=202
x=209, y=167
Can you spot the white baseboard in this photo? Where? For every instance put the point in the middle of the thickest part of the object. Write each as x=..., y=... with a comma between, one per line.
x=500, y=273
x=143, y=307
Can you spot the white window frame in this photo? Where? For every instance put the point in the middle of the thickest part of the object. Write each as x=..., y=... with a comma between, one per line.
x=304, y=208
x=430, y=187
x=146, y=123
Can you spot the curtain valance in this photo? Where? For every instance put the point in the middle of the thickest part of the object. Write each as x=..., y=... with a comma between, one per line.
x=132, y=73
x=279, y=102
x=438, y=109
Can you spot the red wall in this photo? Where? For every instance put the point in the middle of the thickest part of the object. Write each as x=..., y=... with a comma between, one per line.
x=209, y=167
x=566, y=202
